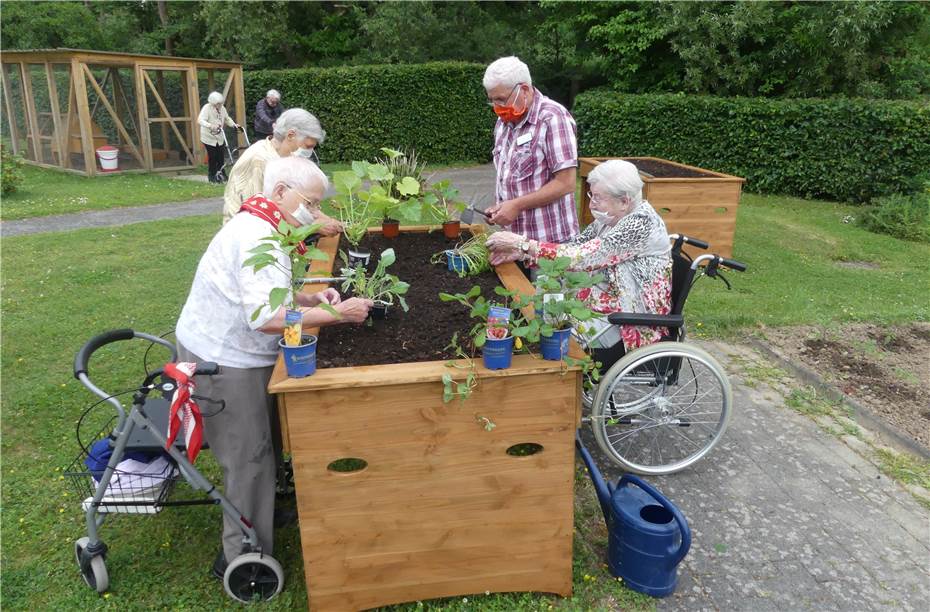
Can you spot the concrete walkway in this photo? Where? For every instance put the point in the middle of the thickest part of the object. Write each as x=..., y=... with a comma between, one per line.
x=475, y=184
x=785, y=514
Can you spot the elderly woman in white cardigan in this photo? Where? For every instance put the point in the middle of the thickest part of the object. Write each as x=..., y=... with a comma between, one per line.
x=213, y=117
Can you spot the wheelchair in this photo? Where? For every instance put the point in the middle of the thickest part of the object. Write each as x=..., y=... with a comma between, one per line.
x=661, y=408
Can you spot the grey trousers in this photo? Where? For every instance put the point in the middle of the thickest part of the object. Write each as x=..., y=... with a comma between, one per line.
x=241, y=439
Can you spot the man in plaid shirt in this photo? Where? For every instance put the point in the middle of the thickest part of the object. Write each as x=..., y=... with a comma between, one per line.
x=535, y=155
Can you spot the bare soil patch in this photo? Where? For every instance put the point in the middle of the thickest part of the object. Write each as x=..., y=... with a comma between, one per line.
x=885, y=368
x=422, y=333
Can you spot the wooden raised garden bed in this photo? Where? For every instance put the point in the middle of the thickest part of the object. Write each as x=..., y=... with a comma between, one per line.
x=693, y=201
x=441, y=508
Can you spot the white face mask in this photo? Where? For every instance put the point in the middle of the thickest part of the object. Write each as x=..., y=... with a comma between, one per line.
x=303, y=216
x=600, y=215
x=307, y=154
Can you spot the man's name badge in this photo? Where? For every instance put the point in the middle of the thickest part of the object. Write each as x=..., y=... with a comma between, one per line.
x=524, y=139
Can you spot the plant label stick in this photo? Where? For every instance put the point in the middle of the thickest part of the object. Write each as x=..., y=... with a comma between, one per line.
x=498, y=320
x=293, y=320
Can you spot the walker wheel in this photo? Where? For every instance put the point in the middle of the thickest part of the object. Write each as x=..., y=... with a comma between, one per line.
x=94, y=570
x=253, y=577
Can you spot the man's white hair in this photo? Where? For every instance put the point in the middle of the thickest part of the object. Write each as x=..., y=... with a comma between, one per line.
x=297, y=172
x=215, y=97
x=507, y=71
x=302, y=122
x=619, y=178
x=273, y=93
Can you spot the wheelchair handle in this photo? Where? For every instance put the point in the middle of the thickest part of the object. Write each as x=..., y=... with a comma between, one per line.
x=681, y=239
x=733, y=264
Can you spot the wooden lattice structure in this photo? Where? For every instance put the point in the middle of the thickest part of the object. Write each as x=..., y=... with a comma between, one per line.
x=60, y=105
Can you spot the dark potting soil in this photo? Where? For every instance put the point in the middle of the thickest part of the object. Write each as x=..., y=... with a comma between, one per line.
x=423, y=332
x=659, y=169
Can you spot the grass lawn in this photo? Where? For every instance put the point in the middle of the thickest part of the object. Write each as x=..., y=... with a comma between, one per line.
x=46, y=192
x=138, y=276
x=806, y=266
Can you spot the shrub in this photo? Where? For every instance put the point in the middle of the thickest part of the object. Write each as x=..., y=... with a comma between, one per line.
x=438, y=109
x=11, y=174
x=904, y=216
x=843, y=149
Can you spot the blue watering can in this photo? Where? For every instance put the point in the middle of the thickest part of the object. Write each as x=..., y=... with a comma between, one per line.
x=648, y=536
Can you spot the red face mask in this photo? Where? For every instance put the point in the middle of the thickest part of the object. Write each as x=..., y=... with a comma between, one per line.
x=509, y=113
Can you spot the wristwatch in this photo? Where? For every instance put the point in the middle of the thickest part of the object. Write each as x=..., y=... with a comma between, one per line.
x=525, y=247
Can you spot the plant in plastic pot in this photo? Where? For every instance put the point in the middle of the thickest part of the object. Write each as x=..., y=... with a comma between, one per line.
x=441, y=203
x=403, y=164
x=557, y=303
x=468, y=258
x=501, y=327
x=288, y=250
x=379, y=286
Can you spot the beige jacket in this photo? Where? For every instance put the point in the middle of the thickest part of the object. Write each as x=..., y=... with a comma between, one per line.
x=210, y=119
x=247, y=176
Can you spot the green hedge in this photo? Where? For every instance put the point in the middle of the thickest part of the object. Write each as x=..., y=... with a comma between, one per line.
x=843, y=149
x=437, y=108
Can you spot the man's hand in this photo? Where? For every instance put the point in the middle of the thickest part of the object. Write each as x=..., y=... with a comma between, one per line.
x=503, y=214
x=353, y=310
x=327, y=296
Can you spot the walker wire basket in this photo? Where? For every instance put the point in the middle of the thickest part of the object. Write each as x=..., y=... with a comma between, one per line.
x=135, y=487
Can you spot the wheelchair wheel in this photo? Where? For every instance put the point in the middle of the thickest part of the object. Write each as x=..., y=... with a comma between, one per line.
x=661, y=408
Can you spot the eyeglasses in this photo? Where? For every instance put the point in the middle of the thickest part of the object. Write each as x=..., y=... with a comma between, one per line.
x=308, y=202
x=506, y=100
x=596, y=199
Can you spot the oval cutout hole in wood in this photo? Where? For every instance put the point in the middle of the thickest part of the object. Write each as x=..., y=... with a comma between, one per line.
x=664, y=211
x=347, y=465
x=524, y=449
x=720, y=210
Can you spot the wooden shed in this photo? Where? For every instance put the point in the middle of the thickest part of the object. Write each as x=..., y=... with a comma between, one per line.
x=61, y=105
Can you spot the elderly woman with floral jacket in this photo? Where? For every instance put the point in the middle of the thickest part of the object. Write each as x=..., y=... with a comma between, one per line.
x=627, y=243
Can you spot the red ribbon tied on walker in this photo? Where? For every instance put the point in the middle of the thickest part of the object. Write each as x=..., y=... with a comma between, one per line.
x=184, y=410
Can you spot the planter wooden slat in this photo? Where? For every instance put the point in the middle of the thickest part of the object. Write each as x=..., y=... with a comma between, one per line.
x=701, y=207
x=440, y=509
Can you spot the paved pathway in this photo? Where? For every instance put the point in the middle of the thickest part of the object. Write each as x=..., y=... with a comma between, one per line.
x=474, y=183
x=785, y=516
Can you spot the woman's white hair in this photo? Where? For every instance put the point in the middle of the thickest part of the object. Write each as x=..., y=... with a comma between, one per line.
x=303, y=123
x=507, y=71
x=273, y=93
x=618, y=178
x=215, y=97
x=296, y=172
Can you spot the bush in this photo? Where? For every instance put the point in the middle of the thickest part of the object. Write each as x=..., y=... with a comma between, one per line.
x=843, y=149
x=11, y=174
x=438, y=109
x=904, y=216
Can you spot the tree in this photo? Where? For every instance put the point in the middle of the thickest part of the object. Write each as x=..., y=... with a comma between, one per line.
x=796, y=49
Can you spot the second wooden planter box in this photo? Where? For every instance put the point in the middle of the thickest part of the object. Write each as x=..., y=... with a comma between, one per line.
x=440, y=508
x=702, y=206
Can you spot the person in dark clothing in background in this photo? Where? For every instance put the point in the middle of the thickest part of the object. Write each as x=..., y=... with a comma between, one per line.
x=267, y=112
